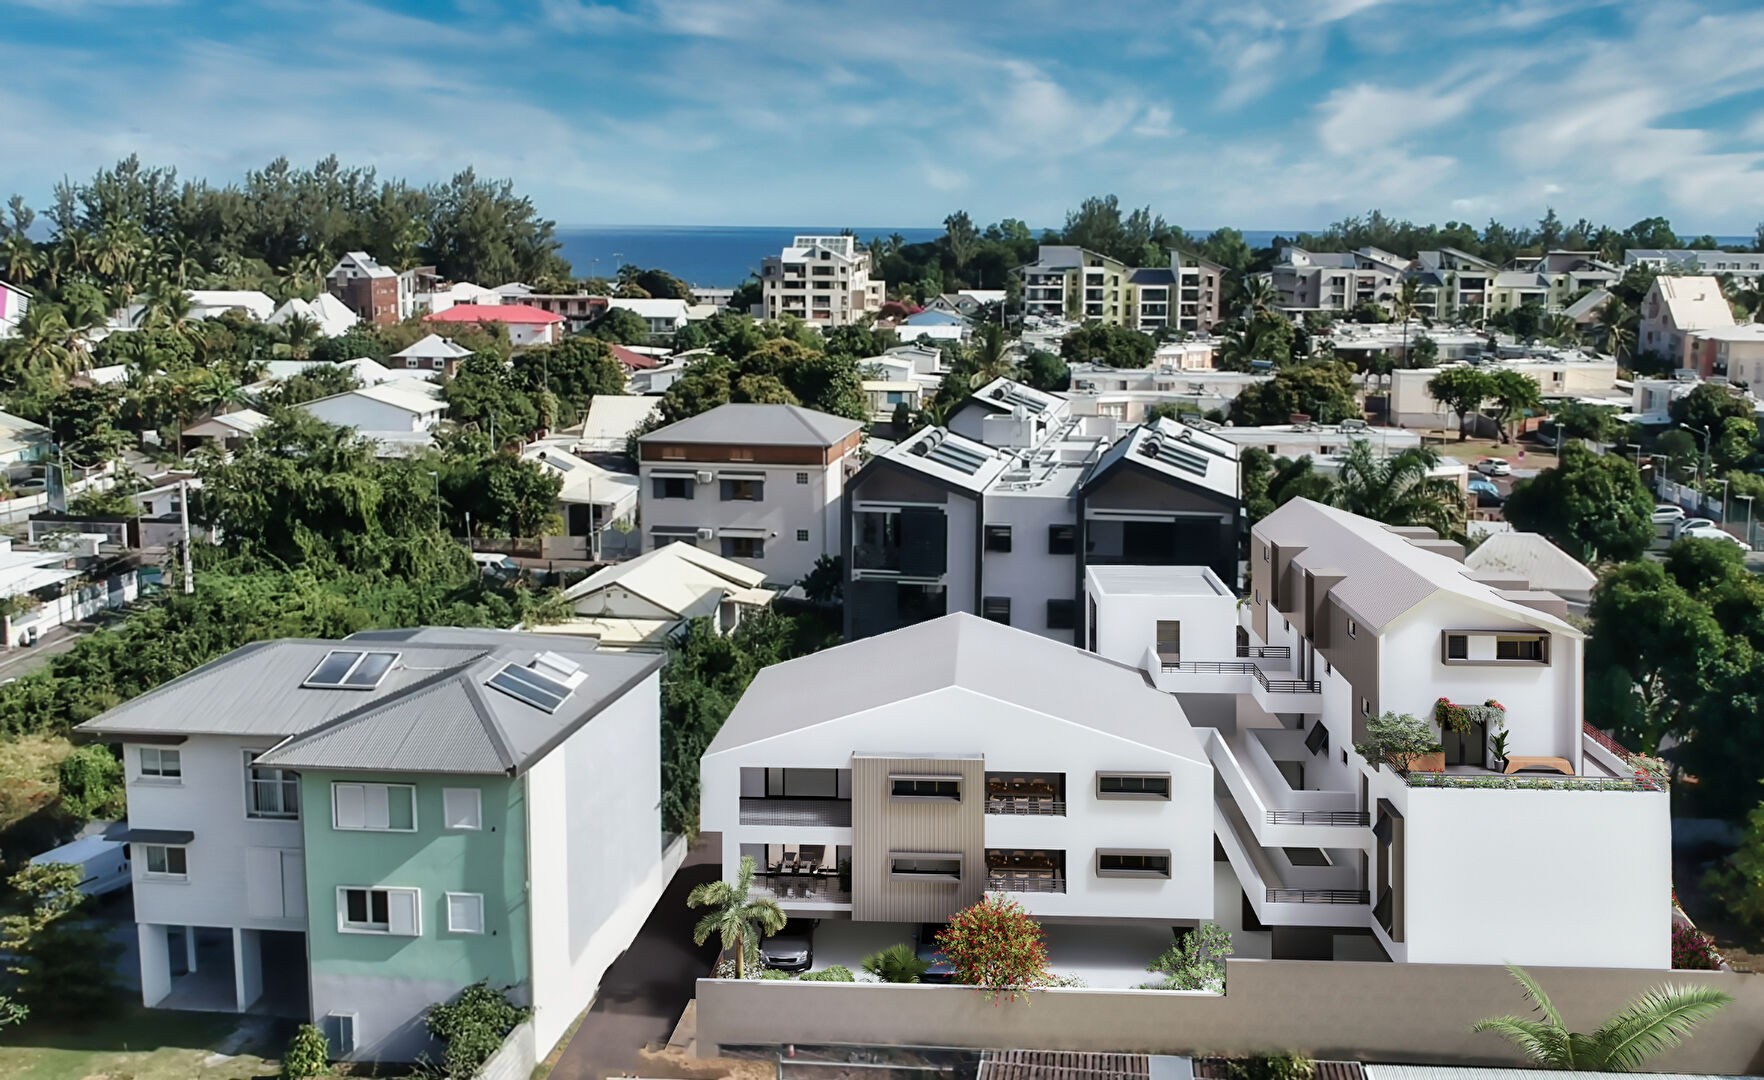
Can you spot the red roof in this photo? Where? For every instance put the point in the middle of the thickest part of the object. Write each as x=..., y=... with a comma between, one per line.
x=636, y=361
x=502, y=313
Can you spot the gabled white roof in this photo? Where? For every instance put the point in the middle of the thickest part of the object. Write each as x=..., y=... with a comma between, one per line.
x=1532, y=557
x=651, y=308
x=678, y=578
x=242, y=422
x=434, y=347
x=364, y=263
x=583, y=480
x=1693, y=302
x=415, y=396
x=256, y=304
x=331, y=315
x=612, y=417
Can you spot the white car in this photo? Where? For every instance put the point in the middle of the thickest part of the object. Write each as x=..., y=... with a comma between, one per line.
x=1716, y=534
x=1664, y=514
x=1494, y=467
x=1695, y=524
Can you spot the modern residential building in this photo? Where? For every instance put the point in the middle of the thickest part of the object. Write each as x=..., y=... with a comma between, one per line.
x=663, y=316
x=822, y=280
x=1673, y=308
x=14, y=300
x=1736, y=352
x=371, y=290
x=1126, y=394
x=646, y=602
x=1562, y=375
x=349, y=832
x=1453, y=284
x=899, y=778
x=1186, y=295
x=1532, y=558
x=1742, y=264
x=886, y=396
x=998, y=513
x=1066, y=282
x=932, y=325
x=459, y=292
x=1550, y=281
x=527, y=325
x=433, y=355
x=1336, y=281
x=757, y=483
x=577, y=309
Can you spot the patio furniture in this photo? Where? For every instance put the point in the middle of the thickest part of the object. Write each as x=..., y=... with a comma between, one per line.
x=1516, y=762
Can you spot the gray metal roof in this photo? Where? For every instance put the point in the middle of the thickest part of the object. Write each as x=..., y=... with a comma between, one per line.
x=430, y=713
x=962, y=650
x=758, y=425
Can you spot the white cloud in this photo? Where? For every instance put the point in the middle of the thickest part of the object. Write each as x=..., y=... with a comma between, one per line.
x=1364, y=117
x=1154, y=123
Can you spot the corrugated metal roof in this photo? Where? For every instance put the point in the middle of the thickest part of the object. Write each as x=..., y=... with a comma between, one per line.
x=758, y=425
x=1456, y=1072
x=1062, y=1065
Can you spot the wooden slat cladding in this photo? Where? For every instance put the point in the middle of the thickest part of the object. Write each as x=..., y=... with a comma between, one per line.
x=881, y=825
x=667, y=453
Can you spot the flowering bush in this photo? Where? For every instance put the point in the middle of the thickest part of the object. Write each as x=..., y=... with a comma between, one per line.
x=1651, y=771
x=1459, y=718
x=1693, y=950
x=996, y=947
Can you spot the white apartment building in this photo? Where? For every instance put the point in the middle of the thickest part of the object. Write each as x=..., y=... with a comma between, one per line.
x=1676, y=307
x=13, y=302
x=1346, y=619
x=958, y=757
x=822, y=280
x=1335, y=281
x=760, y=484
x=1743, y=264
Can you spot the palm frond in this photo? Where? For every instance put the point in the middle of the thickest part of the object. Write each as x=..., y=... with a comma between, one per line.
x=708, y=924
x=1658, y=1020
x=1540, y=1001
x=1539, y=1042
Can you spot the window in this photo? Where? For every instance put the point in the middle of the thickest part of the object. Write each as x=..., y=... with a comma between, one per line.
x=162, y=764
x=439, y=364
x=743, y=490
x=743, y=547
x=922, y=867
x=348, y=669
x=1519, y=648
x=270, y=792
x=1132, y=862
x=1353, y=628
x=340, y=1029
x=363, y=910
x=998, y=538
x=373, y=807
x=1365, y=706
x=1317, y=741
x=942, y=788
x=1457, y=647
x=1265, y=550
x=802, y=536
x=166, y=861
x=462, y=808
x=1061, y=614
x=1132, y=785
x=671, y=487
x=465, y=913
x=802, y=478
x=1062, y=539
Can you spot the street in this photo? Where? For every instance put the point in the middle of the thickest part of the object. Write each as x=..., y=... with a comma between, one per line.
x=15, y=663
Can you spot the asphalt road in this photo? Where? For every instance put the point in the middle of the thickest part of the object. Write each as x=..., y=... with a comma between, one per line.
x=25, y=659
x=647, y=988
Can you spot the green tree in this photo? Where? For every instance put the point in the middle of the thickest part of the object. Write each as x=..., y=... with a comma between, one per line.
x=308, y=1054
x=1709, y=407
x=1398, y=489
x=1513, y=393
x=1109, y=345
x=737, y=918
x=621, y=326
x=1590, y=505
x=90, y=778
x=314, y=382
x=1423, y=352
x=473, y=1027
x=1045, y=371
x=1739, y=880
x=1658, y=1020
x=1462, y=389
x=1397, y=739
x=61, y=961
x=1196, y=962
x=1321, y=389
x=1650, y=654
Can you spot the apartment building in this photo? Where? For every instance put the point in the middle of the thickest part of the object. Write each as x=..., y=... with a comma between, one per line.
x=1335, y=281
x=822, y=280
x=760, y=484
x=998, y=513
x=1454, y=284
x=1736, y=352
x=1066, y=282
x=1673, y=309
x=900, y=778
x=1741, y=264
x=1550, y=281
x=349, y=832
x=374, y=292
x=1346, y=619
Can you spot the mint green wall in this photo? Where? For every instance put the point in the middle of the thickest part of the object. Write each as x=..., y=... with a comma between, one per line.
x=492, y=861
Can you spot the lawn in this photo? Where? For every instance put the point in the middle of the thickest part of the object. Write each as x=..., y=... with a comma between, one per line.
x=27, y=775
x=133, y=1043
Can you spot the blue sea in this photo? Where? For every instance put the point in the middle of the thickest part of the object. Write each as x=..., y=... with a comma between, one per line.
x=721, y=256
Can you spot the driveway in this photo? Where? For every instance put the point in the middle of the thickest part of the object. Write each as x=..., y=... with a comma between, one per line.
x=647, y=988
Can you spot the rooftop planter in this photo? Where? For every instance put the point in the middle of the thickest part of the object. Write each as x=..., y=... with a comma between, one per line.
x=1462, y=719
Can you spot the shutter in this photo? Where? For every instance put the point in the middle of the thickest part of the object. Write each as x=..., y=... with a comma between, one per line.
x=349, y=806
x=463, y=808
x=403, y=917
x=263, y=882
x=726, y=489
x=924, y=542
x=465, y=913
x=293, y=885
x=377, y=815
x=658, y=488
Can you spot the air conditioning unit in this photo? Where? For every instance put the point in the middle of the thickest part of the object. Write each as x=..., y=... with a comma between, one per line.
x=706, y=534
x=704, y=476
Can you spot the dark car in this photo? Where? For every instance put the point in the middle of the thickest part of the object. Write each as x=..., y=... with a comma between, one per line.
x=925, y=947
x=792, y=948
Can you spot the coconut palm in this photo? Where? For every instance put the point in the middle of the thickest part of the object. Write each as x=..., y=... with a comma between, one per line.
x=23, y=259
x=299, y=335
x=1399, y=489
x=737, y=918
x=1403, y=306
x=1258, y=294
x=1658, y=1020
x=1616, y=321
x=167, y=307
x=42, y=343
x=991, y=358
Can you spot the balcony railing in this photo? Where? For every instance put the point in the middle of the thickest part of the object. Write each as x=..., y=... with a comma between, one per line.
x=1319, y=896
x=1606, y=741
x=821, y=888
x=1018, y=882
x=1266, y=652
x=1229, y=667
x=1027, y=805
x=822, y=812
x=1343, y=818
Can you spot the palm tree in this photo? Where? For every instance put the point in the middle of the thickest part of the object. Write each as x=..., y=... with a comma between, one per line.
x=1403, y=307
x=166, y=308
x=1559, y=329
x=299, y=335
x=23, y=260
x=1658, y=1020
x=1614, y=320
x=1258, y=294
x=1513, y=392
x=42, y=346
x=991, y=359
x=1399, y=489
x=738, y=918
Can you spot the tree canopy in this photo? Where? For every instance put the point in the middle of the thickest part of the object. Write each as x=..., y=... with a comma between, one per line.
x=1321, y=389
x=1593, y=506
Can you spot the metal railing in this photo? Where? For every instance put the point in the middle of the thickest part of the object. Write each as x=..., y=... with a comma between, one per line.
x=1266, y=652
x=1319, y=896
x=834, y=812
x=1004, y=881
x=1597, y=735
x=1243, y=667
x=822, y=888
x=1025, y=804
x=1319, y=817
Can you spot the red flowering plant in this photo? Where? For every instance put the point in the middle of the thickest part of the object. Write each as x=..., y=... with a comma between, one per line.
x=996, y=947
x=1459, y=718
x=1693, y=950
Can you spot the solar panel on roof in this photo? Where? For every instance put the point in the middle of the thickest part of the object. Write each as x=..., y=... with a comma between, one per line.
x=529, y=686
x=1189, y=461
x=332, y=668
x=351, y=669
x=1016, y=397
x=959, y=458
x=368, y=672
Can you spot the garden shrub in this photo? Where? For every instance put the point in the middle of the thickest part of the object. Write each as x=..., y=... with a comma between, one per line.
x=1276, y=1066
x=996, y=947
x=1197, y=962
x=896, y=964
x=91, y=780
x=836, y=973
x=473, y=1026
x=308, y=1054
x=774, y=974
x=1693, y=950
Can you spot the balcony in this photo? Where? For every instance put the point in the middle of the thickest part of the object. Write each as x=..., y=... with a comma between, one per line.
x=824, y=813
x=1250, y=764
x=1292, y=886
x=1017, y=871
x=1034, y=795
x=795, y=890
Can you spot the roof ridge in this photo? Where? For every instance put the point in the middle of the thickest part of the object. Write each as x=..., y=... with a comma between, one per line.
x=487, y=718
x=367, y=708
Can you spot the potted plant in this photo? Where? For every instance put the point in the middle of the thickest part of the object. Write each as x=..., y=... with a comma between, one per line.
x=1498, y=747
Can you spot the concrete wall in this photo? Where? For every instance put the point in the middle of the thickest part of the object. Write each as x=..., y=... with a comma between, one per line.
x=1027, y=574
x=1380, y=1012
x=785, y=508
x=517, y=1058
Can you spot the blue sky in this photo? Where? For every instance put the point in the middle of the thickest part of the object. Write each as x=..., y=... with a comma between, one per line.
x=1255, y=113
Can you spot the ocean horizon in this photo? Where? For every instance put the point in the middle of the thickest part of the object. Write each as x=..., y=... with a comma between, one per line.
x=722, y=256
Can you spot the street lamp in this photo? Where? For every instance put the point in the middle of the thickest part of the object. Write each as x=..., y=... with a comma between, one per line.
x=1724, y=483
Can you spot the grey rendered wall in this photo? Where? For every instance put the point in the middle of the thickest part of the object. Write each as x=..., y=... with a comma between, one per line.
x=1378, y=1012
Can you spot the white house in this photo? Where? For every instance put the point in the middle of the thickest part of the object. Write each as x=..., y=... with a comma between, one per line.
x=757, y=483
x=210, y=303
x=646, y=602
x=959, y=757
x=460, y=292
x=43, y=589
x=13, y=303
x=664, y=316
x=598, y=505
x=1673, y=308
x=228, y=430
x=21, y=440
x=399, y=406
x=331, y=315
x=1531, y=557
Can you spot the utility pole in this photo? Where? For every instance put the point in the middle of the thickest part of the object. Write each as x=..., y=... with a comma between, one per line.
x=184, y=521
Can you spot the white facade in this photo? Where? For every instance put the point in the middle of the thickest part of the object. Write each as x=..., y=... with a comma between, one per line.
x=379, y=408
x=794, y=500
x=822, y=280
x=13, y=304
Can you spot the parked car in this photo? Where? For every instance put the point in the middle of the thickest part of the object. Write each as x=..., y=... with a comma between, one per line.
x=1689, y=524
x=792, y=948
x=497, y=566
x=1494, y=466
x=1485, y=494
x=1666, y=514
x=1716, y=534
x=925, y=947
